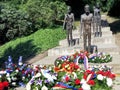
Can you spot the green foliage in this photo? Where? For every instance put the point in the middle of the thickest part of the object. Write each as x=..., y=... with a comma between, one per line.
x=105, y=5
x=44, y=12
x=31, y=45
x=14, y=23
x=22, y=17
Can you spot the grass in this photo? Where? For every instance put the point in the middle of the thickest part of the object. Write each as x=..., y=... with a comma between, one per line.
x=31, y=45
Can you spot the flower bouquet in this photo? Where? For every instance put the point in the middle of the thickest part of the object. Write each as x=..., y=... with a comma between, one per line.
x=78, y=57
x=93, y=78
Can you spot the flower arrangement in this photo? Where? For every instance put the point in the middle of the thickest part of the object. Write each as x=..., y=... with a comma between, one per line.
x=78, y=57
x=66, y=73
x=16, y=74
x=100, y=57
x=95, y=77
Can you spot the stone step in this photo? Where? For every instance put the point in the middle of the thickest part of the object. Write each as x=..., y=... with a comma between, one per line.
x=96, y=40
x=49, y=60
x=76, y=34
x=62, y=50
x=105, y=32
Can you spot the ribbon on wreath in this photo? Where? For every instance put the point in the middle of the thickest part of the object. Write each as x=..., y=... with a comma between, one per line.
x=63, y=85
x=85, y=62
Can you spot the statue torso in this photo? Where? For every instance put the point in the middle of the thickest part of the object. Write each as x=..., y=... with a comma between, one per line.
x=87, y=20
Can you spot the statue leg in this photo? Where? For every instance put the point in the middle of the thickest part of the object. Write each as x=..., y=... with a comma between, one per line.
x=96, y=29
x=68, y=37
x=84, y=40
x=97, y=32
x=71, y=39
x=89, y=41
x=100, y=31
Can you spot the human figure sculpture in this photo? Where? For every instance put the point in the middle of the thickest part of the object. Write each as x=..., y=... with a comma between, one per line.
x=85, y=30
x=68, y=25
x=97, y=21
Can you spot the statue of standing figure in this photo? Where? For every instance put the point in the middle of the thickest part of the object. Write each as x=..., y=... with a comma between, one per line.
x=97, y=21
x=85, y=30
x=68, y=25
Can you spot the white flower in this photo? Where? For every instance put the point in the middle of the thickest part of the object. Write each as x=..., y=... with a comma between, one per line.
x=44, y=88
x=20, y=63
x=50, y=68
x=23, y=78
x=14, y=83
x=0, y=76
x=74, y=75
x=93, y=59
x=17, y=70
x=8, y=75
x=100, y=77
x=53, y=76
x=85, y=86
x=109, y=82
x=2, y=72
x=36, y=88
x=14, y=78
x=37, y=75
x=28, y=86
x=9, y=79
x=83, y=81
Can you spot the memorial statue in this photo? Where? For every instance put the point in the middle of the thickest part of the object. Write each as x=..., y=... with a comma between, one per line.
x=97, y=21
x=85, y=30
x=68, y=25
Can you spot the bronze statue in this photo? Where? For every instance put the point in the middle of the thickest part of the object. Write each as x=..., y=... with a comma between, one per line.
x=97, y=21
x=68, y=25
x=85, y=30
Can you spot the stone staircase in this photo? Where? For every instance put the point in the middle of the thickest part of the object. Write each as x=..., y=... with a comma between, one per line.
x=106, y=43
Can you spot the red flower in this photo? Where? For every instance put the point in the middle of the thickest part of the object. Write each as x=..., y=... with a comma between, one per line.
x=74, y=56
x=77, y=81
x=112, y=76
x=72, y=64
x=77, y=67
x=1, y=86
x=80, y=89
x=85, y=76
x=91, y=82
x=107, y=73
x=88, y=71
x=67, y=78
x=100, y=72
x=6, y=84
x=56, y=69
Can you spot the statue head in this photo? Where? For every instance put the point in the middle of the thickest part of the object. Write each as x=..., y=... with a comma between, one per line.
x=87, y=9
x=69, y=9
x=97, y=5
